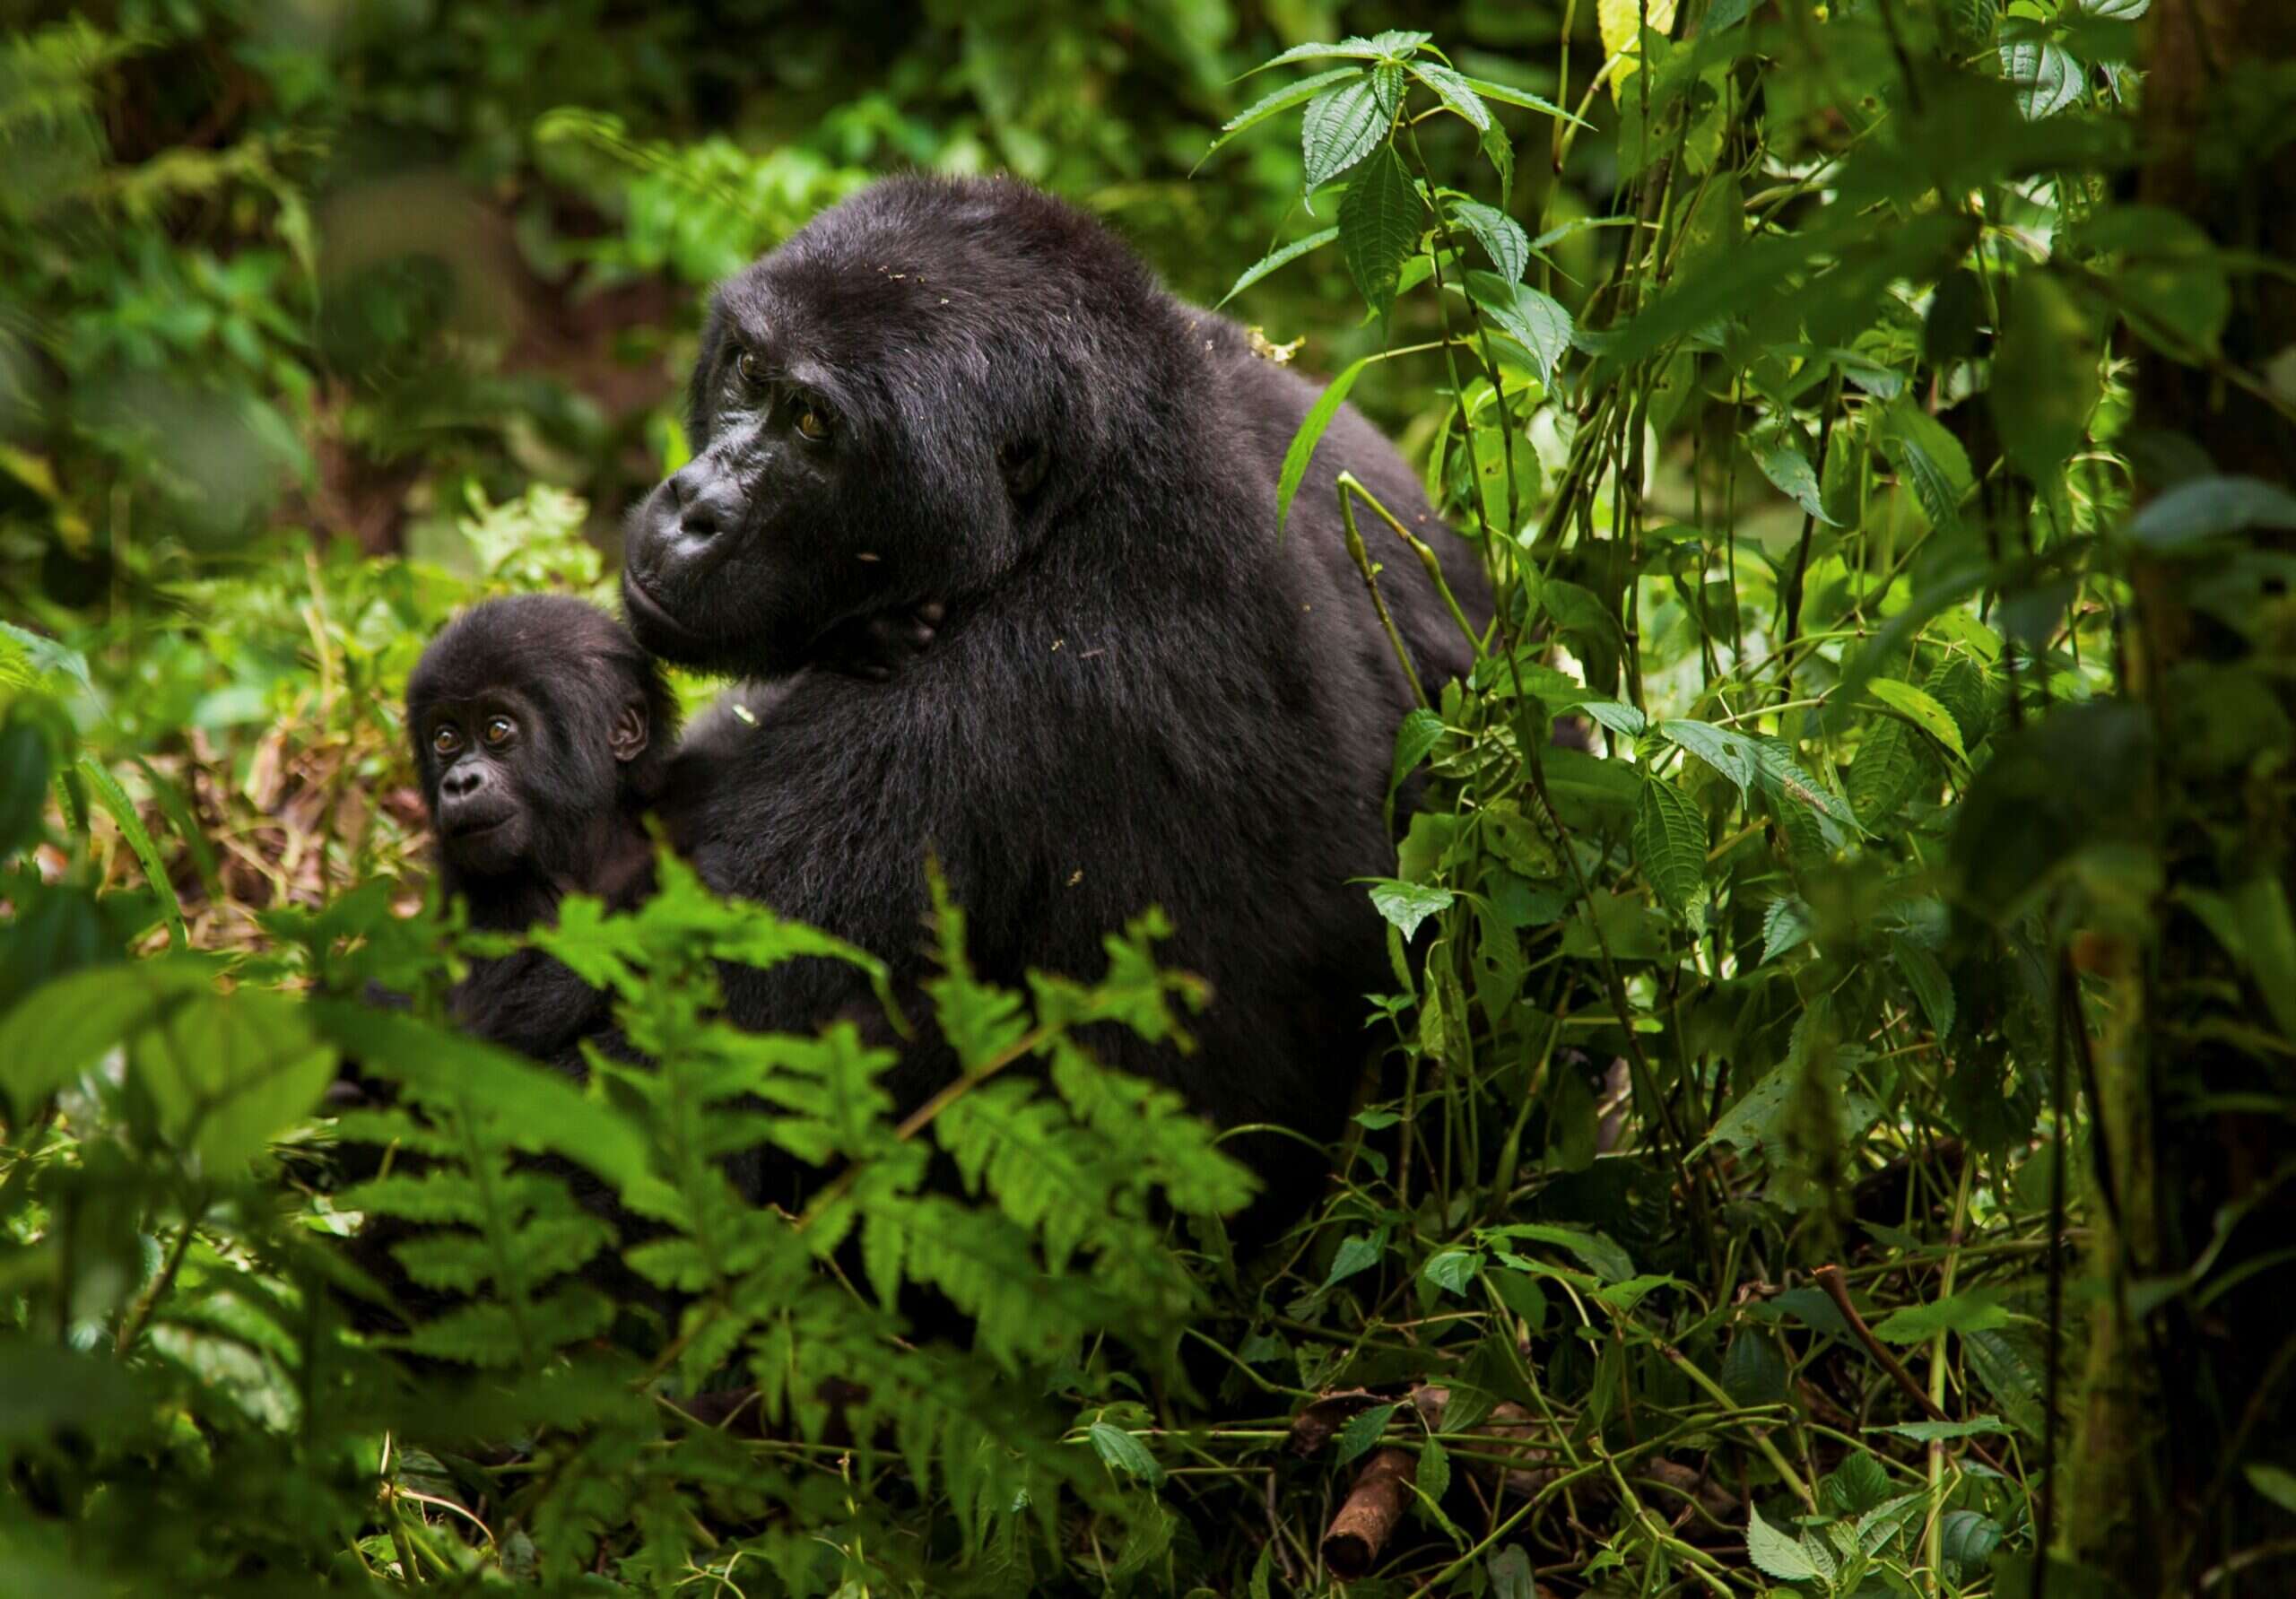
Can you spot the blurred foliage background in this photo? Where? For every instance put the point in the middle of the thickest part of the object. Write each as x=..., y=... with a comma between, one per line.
x=1833, y=1131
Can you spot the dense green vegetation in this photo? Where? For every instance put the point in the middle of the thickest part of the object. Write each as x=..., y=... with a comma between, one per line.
x=1829, y=1138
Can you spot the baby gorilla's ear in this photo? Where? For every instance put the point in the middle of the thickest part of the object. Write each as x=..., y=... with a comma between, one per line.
x=629, y=735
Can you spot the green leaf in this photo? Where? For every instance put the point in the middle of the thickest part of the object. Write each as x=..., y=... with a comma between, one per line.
x=63, y=1028
x=2210, y=507
x=1356, y=1254
x=1783, y=463
x=1121, y=1451
x=1670, y=843
x=1363, y=1430
x=1601, y=1256
x=1972, y=1310
x=1917, y=707
x=138, y=838
x=1508, y=96
x=2275, y=1483
x=1725, y=752
x=24, y=785
x=1342, y=127
x=2168, y=277
x=2045, y=75
x=1276, y=259
x=1785, y=924
x=1535, y=321
x=1392, y=44
x=1931, y=987
x=1923, y=452
x=1968, y=1538
x=228, y=1072
x=1303, y=448
x=1451, y=1270
x=1421, y=731
x=1774, y=1553
x=1932, y=1432
x=1405, y=905
x=1380, y=220
x=1501, y=236
x=1281, y=100
x=1456, y=92
x=2044, y=378
x=1433, y=1477
x=1616, y=714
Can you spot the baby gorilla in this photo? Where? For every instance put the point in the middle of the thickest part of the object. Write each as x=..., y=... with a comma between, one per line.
x=542, y=731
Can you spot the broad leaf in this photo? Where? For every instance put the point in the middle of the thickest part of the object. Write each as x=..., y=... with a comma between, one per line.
x=1670, y=843
x=1775, y=1554
x=1343, y=126
x=1535, y=320
x=1917, y=707
x=1281, y=100
x=1501, y=236
x=1456, y=93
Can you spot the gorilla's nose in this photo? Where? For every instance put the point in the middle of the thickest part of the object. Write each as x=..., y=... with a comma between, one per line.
x=462, y=782
x=709, y=502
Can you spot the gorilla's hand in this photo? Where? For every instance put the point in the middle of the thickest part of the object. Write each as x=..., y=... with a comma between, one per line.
x=877, y=645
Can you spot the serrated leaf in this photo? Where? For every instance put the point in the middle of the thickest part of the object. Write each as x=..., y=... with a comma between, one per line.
x=1725, y=752
x=1931, y=987
x=1670, y=843
x=1502, y=236
x=1276, y=259
x=1972, y=1310
x=138, y=840
x=1922, y=452
x=1390, y=44
x=1886, y=771
x=1380, y=223
x=1433, y=1477
x=1451, y=1270
x=1405, y=905
x=1357, y=1253
x=1421, y=731
x=1777, y=1554
x=1967, y=1537
x=1790, y=471
x=1125, y=1453
x=1920, y=708
x=1454, y=90
x=1616, y=714
x=1303, y=448
x=1507, y=94
x=2045, y=75
x=1281, y=100
x=1535, y=320
x=1785, y=924
x=1344, y=125
x=1363, y=1430
x=1929, y=1432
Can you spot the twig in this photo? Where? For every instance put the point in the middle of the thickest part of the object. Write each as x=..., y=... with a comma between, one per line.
x=1375, y=1503
x=1830, y=1278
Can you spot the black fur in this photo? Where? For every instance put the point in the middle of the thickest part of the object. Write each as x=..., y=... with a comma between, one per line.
x=1139, y=695
x=592, y=727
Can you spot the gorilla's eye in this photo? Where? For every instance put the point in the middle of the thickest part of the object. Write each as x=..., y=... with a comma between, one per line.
x=445, y=740
x=498, y=731
x=750, y=368
x=812, y=422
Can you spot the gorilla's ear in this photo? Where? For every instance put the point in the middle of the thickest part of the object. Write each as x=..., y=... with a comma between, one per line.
x=628, y=735
x=1025, y=462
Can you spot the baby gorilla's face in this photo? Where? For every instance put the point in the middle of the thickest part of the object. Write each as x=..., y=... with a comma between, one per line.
x=480, y=769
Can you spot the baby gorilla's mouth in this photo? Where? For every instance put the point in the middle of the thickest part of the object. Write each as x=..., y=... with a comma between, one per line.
x=476, y=827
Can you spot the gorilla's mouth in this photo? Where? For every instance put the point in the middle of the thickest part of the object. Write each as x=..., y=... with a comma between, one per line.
x=482, y=825
x=651, y=618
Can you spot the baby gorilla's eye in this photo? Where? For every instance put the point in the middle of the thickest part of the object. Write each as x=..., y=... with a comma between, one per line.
x=812, y=422
x=445, y=740
x=751, y=370
x=498, y=730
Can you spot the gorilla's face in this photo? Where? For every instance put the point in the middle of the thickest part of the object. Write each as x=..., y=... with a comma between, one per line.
x=868, y=424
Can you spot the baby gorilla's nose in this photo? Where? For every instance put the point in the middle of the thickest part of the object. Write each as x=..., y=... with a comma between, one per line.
x=463, y=782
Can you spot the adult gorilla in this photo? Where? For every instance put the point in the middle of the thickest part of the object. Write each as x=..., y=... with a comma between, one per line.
x=968, y=402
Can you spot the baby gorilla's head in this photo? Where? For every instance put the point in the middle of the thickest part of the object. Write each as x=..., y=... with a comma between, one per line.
x=542, y=731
